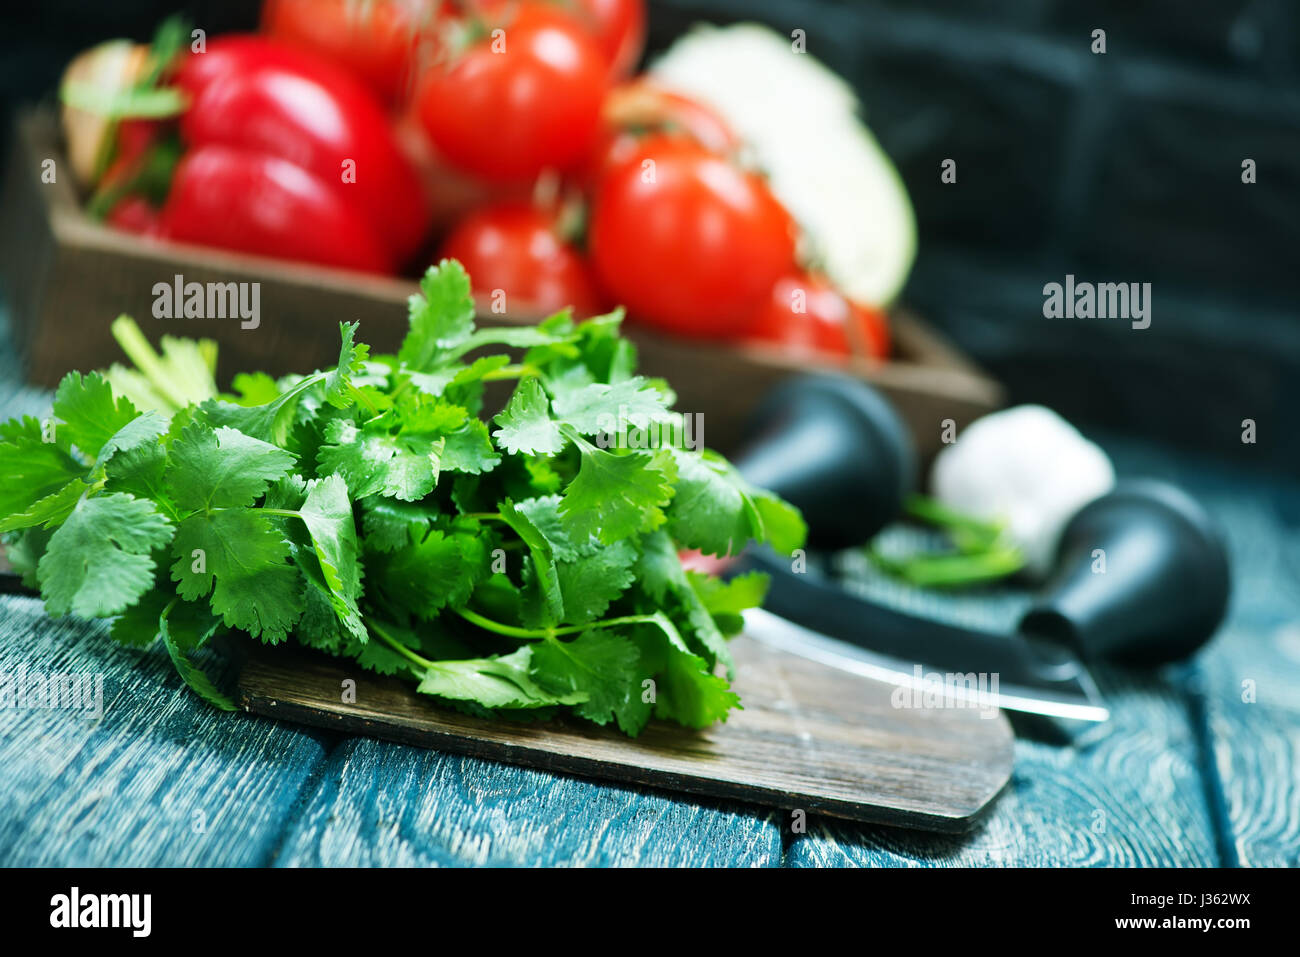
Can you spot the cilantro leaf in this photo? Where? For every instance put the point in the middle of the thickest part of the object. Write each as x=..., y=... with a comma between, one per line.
x=712, y=510
x=611, y=408
x=238, y=560
x=137, y=626
x=439, y=570
x=441, y=316
x=546, y=575
x=399, y=453
x=50, y=510
x=436, y=383
x=255, y=388
x=327, y=513
x=664, y=578
x=352, y=358
x=390, y=524
x=526, y=426
x=518, y=337
x=617, y=495
x=726, y=601
x=98, y=561
x=33, y=469
x=319, y=626
x=686, y=690
x=603, y=666
x=140, y=471
x=144, y=428
x=691, y=694
x=495, y=682
x=468, y=449
x=24, y=551
x=269, y=422
x=783, y=526
x=90, y=412
x=544, y=515
x=199, y=683
x=222, y=468
x=373, y=461
x=588, y=584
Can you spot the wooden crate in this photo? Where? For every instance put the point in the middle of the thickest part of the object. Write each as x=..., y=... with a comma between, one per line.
x=67, y=277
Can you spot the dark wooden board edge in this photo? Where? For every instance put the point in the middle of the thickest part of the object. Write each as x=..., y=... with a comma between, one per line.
x=353, y=719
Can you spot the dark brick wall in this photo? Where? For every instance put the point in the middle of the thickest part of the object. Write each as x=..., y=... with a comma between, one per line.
x=1122, y=167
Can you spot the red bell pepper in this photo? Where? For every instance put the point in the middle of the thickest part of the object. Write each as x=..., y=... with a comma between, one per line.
x=275, y=127
x=257, y=203
x=134, y=214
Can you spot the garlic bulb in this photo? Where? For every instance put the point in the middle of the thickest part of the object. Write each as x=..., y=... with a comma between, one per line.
x=1027, y=467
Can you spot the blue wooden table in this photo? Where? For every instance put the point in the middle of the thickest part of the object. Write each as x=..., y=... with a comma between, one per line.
x=1200, y=764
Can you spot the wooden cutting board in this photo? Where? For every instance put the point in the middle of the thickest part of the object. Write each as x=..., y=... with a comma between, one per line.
x=809, y=738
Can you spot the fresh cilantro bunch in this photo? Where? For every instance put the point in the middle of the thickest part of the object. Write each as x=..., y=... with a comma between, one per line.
x=517, y=567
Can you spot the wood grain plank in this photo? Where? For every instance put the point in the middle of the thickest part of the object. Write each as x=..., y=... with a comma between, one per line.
x=1130, y=791
x=1251, y=747
x=386, y=804
x=1192, y=719
x=161, y=779
x=808, y=737
x=1250, y=677
x=1126, y=793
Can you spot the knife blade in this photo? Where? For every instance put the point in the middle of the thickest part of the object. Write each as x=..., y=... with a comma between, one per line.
x=776, y=632
x=820, y=621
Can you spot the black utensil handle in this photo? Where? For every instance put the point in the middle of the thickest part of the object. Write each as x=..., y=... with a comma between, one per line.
x=835, y=448
x=824, y=606
x=1142, y=577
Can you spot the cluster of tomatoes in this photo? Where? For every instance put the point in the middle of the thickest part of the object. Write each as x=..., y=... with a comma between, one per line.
x=510, y=135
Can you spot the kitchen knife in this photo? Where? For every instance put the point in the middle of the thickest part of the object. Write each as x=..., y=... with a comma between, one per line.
x=1059, y=694
x=817, y=619
x=1141, y=574
x=1142, y=578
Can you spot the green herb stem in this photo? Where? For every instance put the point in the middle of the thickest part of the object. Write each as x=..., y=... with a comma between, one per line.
x=285, y=512
x=521, y=371
x=140, y=352
x=397, y=646
x=513, y=631
x=363, y=399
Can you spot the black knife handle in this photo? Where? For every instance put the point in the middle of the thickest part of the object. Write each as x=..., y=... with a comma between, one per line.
x=835, y=448
x=1142, y=577
x=824, y=606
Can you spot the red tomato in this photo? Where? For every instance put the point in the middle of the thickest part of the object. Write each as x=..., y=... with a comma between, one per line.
x=533, y=102
x=379, y=41
x=806, y=313
x=514, y=247
x=255, y=94
x=452, y=193
x=639, y=108
x=256, y=203
x=687, y=241
x=619, y=29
